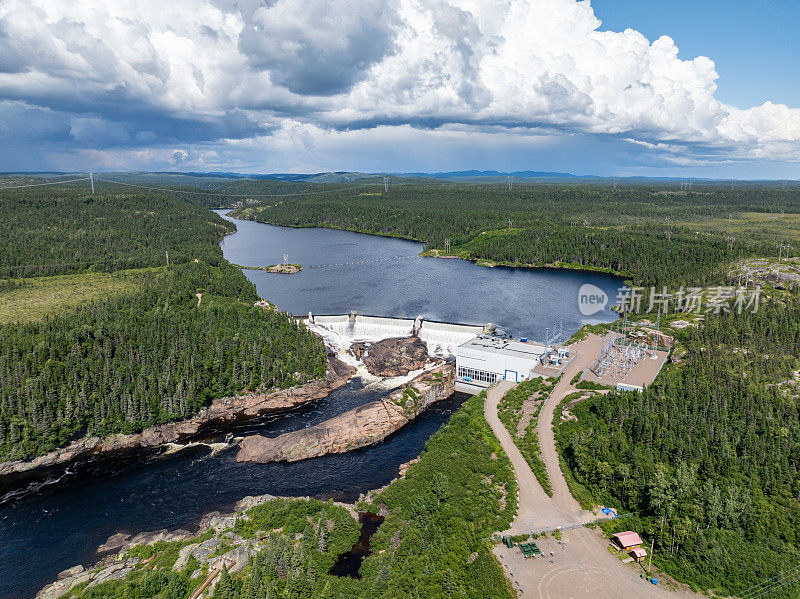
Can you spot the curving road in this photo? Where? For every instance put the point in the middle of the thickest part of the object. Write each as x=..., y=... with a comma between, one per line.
x=579, y=565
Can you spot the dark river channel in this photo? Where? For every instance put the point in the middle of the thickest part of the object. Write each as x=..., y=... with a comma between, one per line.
x=58, y=519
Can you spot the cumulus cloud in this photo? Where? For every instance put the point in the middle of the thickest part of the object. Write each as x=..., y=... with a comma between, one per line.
x=91, y=74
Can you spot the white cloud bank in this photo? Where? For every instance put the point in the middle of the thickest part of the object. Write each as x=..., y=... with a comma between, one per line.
x=89, y=75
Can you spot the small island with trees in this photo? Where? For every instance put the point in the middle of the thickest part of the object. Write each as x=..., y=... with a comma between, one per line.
x=284, y=269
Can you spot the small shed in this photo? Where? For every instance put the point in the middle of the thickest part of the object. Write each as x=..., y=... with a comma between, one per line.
x=627, y=540
x=638, y=554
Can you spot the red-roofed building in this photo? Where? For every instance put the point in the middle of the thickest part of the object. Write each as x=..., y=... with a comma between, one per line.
x=638, y=554
x=627, y=540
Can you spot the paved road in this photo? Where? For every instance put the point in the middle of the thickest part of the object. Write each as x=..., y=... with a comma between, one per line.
x=581, y=566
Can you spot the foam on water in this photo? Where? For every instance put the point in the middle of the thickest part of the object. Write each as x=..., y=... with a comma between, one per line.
x=339, y=332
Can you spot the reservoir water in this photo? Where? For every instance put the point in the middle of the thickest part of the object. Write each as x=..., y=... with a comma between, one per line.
x=384, y=276
x=45, y=528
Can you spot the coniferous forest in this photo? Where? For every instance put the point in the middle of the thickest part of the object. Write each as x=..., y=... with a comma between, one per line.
x=709, y=455
x=158, y=353
x=653, y=236
x=707, y=460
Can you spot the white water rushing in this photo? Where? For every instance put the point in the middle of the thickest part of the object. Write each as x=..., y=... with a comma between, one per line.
x=339, y=332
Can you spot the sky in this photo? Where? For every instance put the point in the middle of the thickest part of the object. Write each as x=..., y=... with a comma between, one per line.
x=609, y=87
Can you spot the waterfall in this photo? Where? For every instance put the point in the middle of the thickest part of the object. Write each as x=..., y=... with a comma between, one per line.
x=340, y=331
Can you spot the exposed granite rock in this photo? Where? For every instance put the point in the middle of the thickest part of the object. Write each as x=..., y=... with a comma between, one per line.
x=396, y=356
x=115, y=566
x=226, y=409
x=359, y=427
x=183, y=556
x=73, y=571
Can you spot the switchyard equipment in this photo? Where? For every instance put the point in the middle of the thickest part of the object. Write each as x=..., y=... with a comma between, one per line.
x=618, y=356
x=486, y=359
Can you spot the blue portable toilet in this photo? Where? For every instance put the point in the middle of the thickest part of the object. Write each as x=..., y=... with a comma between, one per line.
x=654, y=580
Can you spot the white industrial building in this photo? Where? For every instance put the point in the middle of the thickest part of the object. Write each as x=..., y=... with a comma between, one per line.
x=484, y=360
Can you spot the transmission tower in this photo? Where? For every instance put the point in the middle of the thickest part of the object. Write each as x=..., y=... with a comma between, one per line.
x=510, y=183
x=447, y=245
x=91, y=180
x=285, y=259
x=730, y=241
x=386, y=184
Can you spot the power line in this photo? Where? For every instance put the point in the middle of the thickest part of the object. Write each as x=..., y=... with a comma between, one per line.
x=234, y=195
x=768, y=585
x=40, y=184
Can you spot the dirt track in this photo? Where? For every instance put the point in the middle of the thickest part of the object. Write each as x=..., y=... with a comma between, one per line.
x=581, y=566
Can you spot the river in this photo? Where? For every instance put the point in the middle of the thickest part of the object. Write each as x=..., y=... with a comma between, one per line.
x=50, y=527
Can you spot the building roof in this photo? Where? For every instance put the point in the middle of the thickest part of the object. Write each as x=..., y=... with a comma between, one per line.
x=496, y=345
x=639, y=552
x=628, y=538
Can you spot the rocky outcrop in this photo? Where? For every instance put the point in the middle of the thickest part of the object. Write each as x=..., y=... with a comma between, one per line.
x=359, y=427
x=396, y=356
x=116, y=565
x=226, y=409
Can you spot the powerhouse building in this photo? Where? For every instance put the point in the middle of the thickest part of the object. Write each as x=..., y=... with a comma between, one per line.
x=484, y=360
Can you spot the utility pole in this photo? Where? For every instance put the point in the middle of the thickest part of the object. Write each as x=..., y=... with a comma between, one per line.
x=285, y=259
x=447, y=245
x=91, y=180
x=167, y=255
x=510, y=183
x=509, y=223
x=386, y=184
x=730, y=241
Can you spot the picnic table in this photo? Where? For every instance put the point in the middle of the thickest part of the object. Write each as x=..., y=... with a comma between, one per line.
x=530, y=549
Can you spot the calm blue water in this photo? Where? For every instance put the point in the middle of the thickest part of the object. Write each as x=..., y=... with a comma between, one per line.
x=59, y=525
x=525, y=302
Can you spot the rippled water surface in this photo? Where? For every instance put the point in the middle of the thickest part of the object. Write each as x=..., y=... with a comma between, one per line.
x=51, y=527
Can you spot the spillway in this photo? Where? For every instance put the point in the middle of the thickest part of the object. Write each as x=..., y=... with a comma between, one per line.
x=339, y=331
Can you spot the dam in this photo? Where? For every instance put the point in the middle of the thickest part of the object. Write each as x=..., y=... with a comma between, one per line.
x=481, y=356
x=341, y=330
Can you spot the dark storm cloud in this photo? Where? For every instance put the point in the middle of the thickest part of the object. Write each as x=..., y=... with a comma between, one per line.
x=325, y=50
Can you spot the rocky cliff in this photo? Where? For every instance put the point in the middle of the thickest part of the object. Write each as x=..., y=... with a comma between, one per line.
x=226, y=409
x=359, y=427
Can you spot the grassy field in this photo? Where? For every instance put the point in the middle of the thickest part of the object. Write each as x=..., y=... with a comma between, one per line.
x=751, y=225
x=38, y=297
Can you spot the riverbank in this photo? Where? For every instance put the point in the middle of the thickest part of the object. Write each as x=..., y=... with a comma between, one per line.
x=363, y=426
x=435, y=253
x=458, y=493
x=489, y=263
x=223, y=410
x=219, y=539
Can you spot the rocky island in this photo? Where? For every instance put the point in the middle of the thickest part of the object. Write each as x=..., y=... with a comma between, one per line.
x=396, y=356
x=359, y=427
